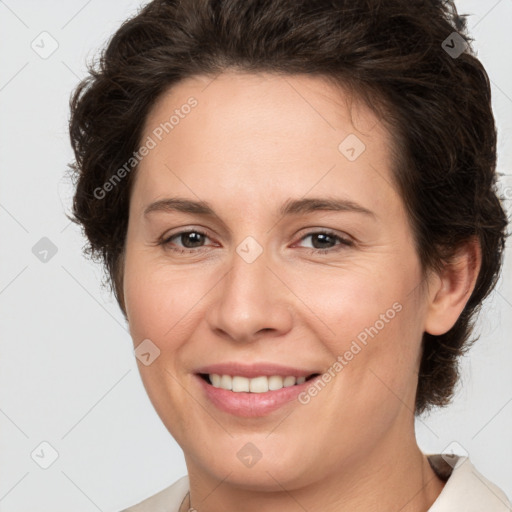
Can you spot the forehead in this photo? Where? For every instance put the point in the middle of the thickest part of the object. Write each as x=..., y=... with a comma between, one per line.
x=263, y=131
x=265, y=103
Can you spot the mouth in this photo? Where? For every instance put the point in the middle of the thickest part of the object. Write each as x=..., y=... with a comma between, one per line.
x=251, y=397
x=260, y=384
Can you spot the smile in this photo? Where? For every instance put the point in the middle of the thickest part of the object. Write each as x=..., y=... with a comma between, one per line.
x=259, y=391
x=260, y=384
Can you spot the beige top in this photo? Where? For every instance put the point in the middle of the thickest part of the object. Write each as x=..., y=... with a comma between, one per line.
x=466, y=490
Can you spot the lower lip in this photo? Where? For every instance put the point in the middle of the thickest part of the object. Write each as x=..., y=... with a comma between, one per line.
x=251, y=405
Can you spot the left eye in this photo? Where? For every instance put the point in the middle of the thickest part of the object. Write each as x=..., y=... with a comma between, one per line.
x=326, y=237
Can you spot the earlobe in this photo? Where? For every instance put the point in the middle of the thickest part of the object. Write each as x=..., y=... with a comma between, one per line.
x=452, y=288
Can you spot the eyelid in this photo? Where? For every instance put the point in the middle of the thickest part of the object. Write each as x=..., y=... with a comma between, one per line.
x=308, y=230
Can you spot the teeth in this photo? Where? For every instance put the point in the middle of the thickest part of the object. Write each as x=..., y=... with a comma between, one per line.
x=289, y=381
x=261, y=384
x=226, y=382
x=275, y=382
x=239, y=384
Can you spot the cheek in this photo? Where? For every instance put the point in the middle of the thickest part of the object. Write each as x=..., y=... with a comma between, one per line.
x=370, y=323
x=353, y=303
x=162, y=306
x=160, y=301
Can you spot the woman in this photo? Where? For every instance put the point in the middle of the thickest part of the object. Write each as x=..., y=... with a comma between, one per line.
x=295, y=203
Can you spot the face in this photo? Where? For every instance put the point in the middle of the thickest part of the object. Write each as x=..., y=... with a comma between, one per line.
x=299, y=261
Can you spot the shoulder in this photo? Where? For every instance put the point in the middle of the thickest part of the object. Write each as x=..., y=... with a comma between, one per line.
x=167, y=500
x=465, y=488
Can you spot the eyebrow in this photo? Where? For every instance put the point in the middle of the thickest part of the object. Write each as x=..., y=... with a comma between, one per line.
x=290, y=207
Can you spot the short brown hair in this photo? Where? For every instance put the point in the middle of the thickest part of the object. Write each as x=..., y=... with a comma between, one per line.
x=394, y=55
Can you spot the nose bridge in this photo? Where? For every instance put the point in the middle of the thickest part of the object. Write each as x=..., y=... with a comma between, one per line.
x=251, y=298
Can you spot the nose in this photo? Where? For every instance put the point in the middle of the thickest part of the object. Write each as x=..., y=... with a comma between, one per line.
x=251, y=301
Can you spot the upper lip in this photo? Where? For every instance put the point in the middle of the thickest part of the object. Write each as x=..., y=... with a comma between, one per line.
x=254, y=370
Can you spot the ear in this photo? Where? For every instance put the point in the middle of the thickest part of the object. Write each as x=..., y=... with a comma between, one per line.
x=450, y=289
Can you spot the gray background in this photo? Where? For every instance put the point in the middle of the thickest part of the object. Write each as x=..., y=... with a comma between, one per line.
x=67, y=371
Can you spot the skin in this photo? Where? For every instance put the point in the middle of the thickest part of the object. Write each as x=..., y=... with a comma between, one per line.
x=253, y=142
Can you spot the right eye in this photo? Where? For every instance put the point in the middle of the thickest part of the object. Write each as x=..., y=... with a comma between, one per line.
x=191, y=241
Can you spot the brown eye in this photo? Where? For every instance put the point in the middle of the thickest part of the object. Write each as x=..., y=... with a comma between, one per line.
x=190, y=239
x=185, y=241
x=323, y=241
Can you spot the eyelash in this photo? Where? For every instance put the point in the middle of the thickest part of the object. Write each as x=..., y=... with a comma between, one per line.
x=344, y=242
